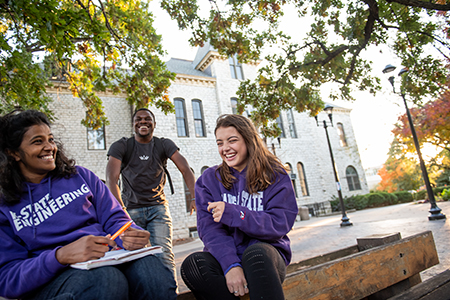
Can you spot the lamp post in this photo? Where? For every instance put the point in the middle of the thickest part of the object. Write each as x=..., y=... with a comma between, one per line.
x=435, y=211
x=329, y=110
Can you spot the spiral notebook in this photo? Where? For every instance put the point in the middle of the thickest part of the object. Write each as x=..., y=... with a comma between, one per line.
x=117, y=257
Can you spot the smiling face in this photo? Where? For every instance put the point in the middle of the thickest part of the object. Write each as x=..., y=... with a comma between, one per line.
x=232, y=147
x=37, y=153
x=144, y=124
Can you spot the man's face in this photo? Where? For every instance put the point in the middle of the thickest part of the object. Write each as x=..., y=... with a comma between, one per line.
x=144, y=124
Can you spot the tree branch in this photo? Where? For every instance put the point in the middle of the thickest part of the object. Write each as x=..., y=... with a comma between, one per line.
x=422, y=4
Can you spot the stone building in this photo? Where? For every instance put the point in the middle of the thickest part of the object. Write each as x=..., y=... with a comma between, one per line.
x=204, y=89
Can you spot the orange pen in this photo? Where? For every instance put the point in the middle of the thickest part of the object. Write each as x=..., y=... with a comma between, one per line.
x=121, y=230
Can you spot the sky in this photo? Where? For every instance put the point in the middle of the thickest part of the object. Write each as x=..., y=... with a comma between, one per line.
x=373, y=118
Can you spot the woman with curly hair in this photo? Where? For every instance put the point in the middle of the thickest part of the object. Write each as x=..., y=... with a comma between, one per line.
x=53, y=214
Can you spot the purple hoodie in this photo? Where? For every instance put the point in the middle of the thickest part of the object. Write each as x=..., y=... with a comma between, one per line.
x=49, y=215
x=266, y=216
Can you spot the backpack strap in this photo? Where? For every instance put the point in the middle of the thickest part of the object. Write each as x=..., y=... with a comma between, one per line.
x=128, y=153
x=159, y=147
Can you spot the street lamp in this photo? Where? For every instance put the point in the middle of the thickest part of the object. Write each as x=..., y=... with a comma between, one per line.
x=435, y=211
x=329, y=110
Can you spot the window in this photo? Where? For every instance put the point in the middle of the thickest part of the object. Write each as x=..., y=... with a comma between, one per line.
x=292, y=130
x=180, y=113
x=280, y=125
x=302, y=178
x=187, y=195
x=235, y=68
x=352, y=179
x=96, y=139
x=234, y=102
x=292, y=176
x=341, y=132
x=58, y=69
x=199, y=123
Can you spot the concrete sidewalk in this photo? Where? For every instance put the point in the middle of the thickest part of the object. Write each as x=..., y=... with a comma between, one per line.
x=323, y=234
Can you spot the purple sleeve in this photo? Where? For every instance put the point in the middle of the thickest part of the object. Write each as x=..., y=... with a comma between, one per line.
x=20, y=273
x=214, y=235
x=277, y=218
x=109, y=212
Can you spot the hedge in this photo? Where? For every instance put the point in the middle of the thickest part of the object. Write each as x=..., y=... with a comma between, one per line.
x=379, y=199
x=404, y=196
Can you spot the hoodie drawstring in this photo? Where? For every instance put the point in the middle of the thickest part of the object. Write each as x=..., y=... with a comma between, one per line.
x=32, y=210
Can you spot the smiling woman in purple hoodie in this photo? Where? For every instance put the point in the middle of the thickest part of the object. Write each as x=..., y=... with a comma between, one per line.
x=53, y=214
x=245, y=208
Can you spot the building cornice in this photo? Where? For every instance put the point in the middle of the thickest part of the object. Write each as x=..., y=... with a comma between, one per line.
x=195, y=80
x=64, y=88
x=342, y=109
x=215, y=55
x=208, y=59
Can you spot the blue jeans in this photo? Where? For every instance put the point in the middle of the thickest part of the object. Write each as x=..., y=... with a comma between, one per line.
x=145, y=278
x=157, y=220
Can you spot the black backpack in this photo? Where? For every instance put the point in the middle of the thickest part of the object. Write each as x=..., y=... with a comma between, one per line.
x=158, y=149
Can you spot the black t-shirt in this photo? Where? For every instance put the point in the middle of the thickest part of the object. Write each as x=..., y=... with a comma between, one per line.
x=143, y=178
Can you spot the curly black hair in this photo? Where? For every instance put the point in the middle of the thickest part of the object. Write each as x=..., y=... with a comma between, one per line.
x=13, y=126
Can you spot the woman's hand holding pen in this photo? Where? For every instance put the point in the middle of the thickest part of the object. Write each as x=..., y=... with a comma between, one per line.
x=133, y=238
x=86, y=248
x=216, y=209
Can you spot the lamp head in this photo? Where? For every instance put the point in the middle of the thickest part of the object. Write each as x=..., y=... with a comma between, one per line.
x=389, y=68
x=403, y=71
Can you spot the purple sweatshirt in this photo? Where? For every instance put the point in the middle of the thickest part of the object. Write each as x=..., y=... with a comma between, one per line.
x=49, y=215
x=266, y=216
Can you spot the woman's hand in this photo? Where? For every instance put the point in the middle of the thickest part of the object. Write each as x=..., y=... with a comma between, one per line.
x=86, y=248
x=236, y=282
x=133, y=238
x=216, y=209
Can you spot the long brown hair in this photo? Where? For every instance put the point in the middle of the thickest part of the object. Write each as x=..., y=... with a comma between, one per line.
x=262, y=164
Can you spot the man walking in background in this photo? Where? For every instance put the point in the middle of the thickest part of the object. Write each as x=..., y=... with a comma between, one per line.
x=141, y=160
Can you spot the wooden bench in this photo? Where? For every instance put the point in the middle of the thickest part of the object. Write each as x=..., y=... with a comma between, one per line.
x=377, y=268
x=435, y=288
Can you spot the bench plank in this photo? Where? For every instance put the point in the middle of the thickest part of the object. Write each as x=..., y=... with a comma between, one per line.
x=434, y=288
x=362, y=274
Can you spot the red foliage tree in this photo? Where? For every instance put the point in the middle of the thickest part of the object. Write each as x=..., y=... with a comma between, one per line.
x=431, y=122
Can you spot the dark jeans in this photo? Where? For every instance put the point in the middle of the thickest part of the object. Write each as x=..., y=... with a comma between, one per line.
x=264, y=269
x=145, y=278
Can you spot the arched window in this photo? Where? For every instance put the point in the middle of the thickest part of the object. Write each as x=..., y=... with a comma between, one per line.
x=302, y=178
x=234, y=102
x=199, y=122
x=235, y=68
x=187, y=195
x=292, y=176
x=180, y=113
x=352, y=179
x=280, y=125
x=341, y=132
